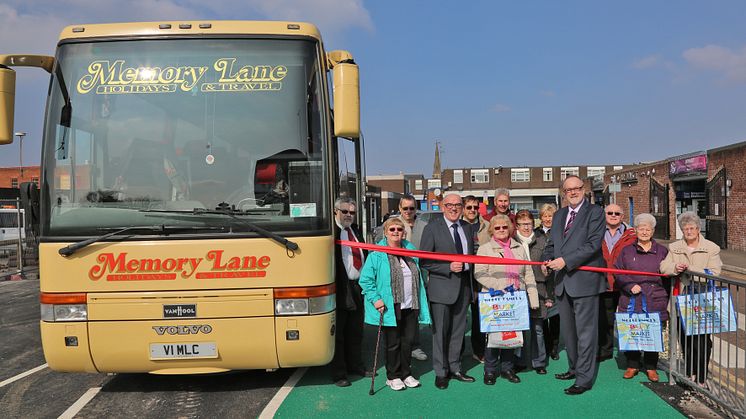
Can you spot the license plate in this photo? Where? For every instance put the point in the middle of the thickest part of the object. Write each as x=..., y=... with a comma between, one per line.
x=183, y=350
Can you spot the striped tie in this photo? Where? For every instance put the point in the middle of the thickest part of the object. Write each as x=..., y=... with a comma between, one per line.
x=569, y=222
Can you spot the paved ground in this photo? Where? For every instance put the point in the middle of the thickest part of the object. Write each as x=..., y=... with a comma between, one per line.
x=47, y=394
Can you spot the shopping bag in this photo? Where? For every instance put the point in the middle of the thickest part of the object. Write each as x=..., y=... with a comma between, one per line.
x=503, y=313
x=706, y=312
x=505, y=340
x=639, y=331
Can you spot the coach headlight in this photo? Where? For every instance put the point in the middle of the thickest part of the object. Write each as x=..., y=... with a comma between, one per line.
x=64, y=307
x=305, y=300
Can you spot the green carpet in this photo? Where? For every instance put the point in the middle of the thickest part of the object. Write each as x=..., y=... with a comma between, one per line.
x=536, y=396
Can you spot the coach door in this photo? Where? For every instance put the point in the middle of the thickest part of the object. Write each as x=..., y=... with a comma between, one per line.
x=717, y=225
x=659, y=209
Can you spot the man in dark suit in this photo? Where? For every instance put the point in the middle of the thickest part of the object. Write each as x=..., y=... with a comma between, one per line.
x=350, y=312
x=575, y=240
x=449, y=289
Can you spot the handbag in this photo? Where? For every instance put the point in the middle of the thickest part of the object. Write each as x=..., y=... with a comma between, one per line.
x=503, y=311
x=639, y=331
x=505, y=340
x=707, y=312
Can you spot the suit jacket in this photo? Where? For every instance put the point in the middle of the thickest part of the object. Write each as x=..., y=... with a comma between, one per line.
x=349, y=295
x=580, y=247
x=444, y=286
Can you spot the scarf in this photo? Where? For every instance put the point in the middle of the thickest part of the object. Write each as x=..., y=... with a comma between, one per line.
x=525, y=242
x=397, y=280
x=511, y=271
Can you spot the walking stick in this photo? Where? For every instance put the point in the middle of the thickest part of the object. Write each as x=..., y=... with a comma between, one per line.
x=375, y=357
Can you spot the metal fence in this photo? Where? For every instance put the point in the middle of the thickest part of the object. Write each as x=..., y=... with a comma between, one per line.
x=19, y=250
x=708, y=339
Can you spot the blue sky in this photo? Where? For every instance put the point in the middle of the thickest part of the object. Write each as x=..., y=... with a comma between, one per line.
x=496, y=82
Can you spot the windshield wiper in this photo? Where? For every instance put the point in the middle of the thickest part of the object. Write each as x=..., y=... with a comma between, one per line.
x=162, y=229
x=224, y=209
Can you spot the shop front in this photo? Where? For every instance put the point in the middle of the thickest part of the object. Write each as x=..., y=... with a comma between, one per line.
x=689, y=177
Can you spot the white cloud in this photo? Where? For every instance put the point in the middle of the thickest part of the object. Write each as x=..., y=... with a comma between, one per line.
x=499, y=107
x=648, y=62
x=730, y=63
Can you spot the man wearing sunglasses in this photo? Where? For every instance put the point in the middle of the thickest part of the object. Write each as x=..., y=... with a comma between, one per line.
x=618, y=236
x=449, y=288
x=481, y=235
x=350, y=311
x=575, y=240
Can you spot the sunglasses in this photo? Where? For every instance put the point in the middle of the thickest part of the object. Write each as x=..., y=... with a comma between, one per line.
x=472, y=207
x=394, y=229
x=407, y=208
x=501, y=228
x=345, y=212
x=618, y=214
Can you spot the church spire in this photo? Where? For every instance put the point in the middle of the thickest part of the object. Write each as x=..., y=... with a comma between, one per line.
x=436, y=163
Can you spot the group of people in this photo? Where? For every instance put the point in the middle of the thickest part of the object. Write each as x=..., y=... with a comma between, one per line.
x=401, y=292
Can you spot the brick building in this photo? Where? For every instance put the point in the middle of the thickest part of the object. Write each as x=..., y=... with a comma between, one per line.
x=11, y=177
x=711, y=183
x=530, y=187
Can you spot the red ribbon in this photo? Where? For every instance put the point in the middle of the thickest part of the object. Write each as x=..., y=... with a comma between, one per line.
x=485, y=260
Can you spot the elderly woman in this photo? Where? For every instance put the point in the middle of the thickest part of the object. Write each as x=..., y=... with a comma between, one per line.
x=393, y=287
x=498, y=277
x=551, y=324
x=644, y=255
x=533, y=245
x=694, y=253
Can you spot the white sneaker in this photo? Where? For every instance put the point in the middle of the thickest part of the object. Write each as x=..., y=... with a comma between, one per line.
x=396, y=384
x=419, y=355
x=411, y=382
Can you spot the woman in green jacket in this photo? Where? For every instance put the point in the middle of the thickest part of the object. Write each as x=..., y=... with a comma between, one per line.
x=393, y=286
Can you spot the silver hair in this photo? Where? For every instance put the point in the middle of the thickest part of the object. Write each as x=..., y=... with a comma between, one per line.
x=502, y=191
x=447, y=194
x=344, y=200
x=645, y=218
x=687, y=218
x=547, y=208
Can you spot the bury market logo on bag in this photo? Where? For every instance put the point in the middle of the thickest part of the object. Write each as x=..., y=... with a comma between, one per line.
x=179, y=310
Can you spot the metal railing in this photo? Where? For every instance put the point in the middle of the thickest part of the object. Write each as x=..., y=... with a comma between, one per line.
x=19, y=250
x=707, y=338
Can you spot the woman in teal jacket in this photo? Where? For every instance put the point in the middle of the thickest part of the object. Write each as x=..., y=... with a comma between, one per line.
x=393, y=286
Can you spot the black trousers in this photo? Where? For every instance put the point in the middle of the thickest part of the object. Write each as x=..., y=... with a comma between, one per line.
x=399, y=344
x=649, y=359
x=697, y=351
x=348, y=343
x=606, y=308
x=552, y=334
x=478, y=339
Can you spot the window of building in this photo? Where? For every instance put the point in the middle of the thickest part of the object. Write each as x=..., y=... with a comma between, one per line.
x=480, y=175
x=458, y=176
x=548, y=174
x=520, y=175
x=569, y=171
x=618, y=167
x=14, y=182
x=433, y=183
x=596, y=171
x=418, y=184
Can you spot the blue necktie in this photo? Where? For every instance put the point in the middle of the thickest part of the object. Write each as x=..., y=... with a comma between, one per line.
x=457, y=239
x=569, y=222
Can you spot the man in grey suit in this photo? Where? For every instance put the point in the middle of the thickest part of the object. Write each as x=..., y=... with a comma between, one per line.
x=575, y=240
x=449, y=289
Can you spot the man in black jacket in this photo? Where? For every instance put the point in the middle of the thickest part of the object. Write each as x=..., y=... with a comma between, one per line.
x=347, y=262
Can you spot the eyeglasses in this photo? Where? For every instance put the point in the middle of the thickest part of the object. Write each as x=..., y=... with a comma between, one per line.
x=345, y=212
x=452, y=206
x=394, y=229
x=407, y=208
x=472, y=207
x=525, y=225
x=501, y=228
x=616, y=214
x=576, y=189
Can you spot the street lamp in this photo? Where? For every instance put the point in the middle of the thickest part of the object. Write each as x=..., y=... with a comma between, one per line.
x=20, y=135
